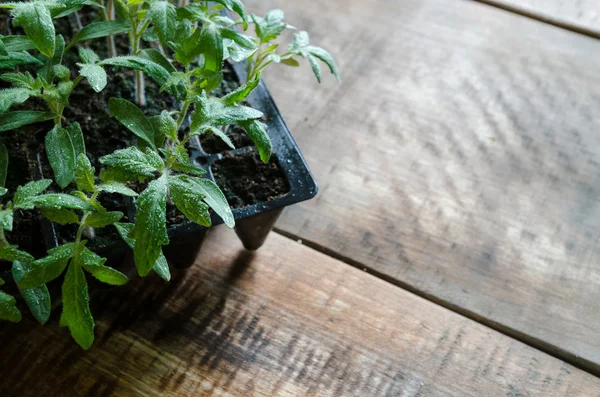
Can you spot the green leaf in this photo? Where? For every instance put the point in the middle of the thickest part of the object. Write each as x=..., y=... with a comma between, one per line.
x=8, y=308
x=49, y=268
x=37, y=23
x=214, y=197
x=213, y=112
x=176, y=85
x=95, y=74
x=162, y=268
x=150, y=231
x=257, y=131
x=111, y=174
x=240, y=47
x=95, y=265
x=103, y=218
x=187, y=197
x=241, y=93
x=25, y=194
x=223, y=136
x=63, y=73
x=271, y=58
x=188, y=168
x=14, y=59
x=16, y=44
x=3, y=50
x=97, y=30
x=88, y=56
x=125, y=230
x=188, y=49
x=301, y=46
x=56, y=59
x=183, y=163
x=150, y=35
x=206, y=80
x=61, y=200
x=237, y=6
x=133, y=118
x=121, y=9
x=271, y=26
x=76, y=135
x=76, y=307
x=84, y=174
x=23, y=80
x=290, y=62
x=12, y=96
x=314, y=66
x=64, y=89
x=134, y=161
x=211, y=42
x=117, y=187
x=152, y=69
x=63, y=12
x=60, y=216
x=38, y=298
x=13, y=120
x=164, y=16
x=3, y=164
x=6, y=220
x=193, y=13
x=12, y=253
x=61, y=155
x=164, y=126
x=157, y=57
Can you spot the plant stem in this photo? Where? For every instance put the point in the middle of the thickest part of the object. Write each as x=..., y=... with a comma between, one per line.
x=140, y=84
x=83, y=219
x=103, y=10
x=253, y=64
x=183, y=113
x=81, y=227
x=78, y=20
x=3, y=241
x=112, y=47
x=61, y=107
x=249, y=69
x=140, y=88
x=135, y=36
x=170, y=143
x=108, y=15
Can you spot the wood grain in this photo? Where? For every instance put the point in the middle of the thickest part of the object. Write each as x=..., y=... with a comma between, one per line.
x=579, y=15
x=287, y=321
x=460, y=159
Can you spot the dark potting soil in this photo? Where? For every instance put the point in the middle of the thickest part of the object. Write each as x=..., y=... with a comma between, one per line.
x=238, y=136
x=246, y=180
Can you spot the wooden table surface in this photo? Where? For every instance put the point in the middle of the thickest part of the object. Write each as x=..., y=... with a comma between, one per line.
x=452, y=249
x=579, y=15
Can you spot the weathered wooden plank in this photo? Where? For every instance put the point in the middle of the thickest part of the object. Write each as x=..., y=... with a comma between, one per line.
x=273, y=324
x=579, y=15
x=460, y=158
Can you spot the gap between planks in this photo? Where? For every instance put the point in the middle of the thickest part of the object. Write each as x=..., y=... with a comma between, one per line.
x=541, y=18
x=561, y=354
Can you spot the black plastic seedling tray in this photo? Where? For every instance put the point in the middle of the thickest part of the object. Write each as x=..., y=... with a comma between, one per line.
x=253, y=222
